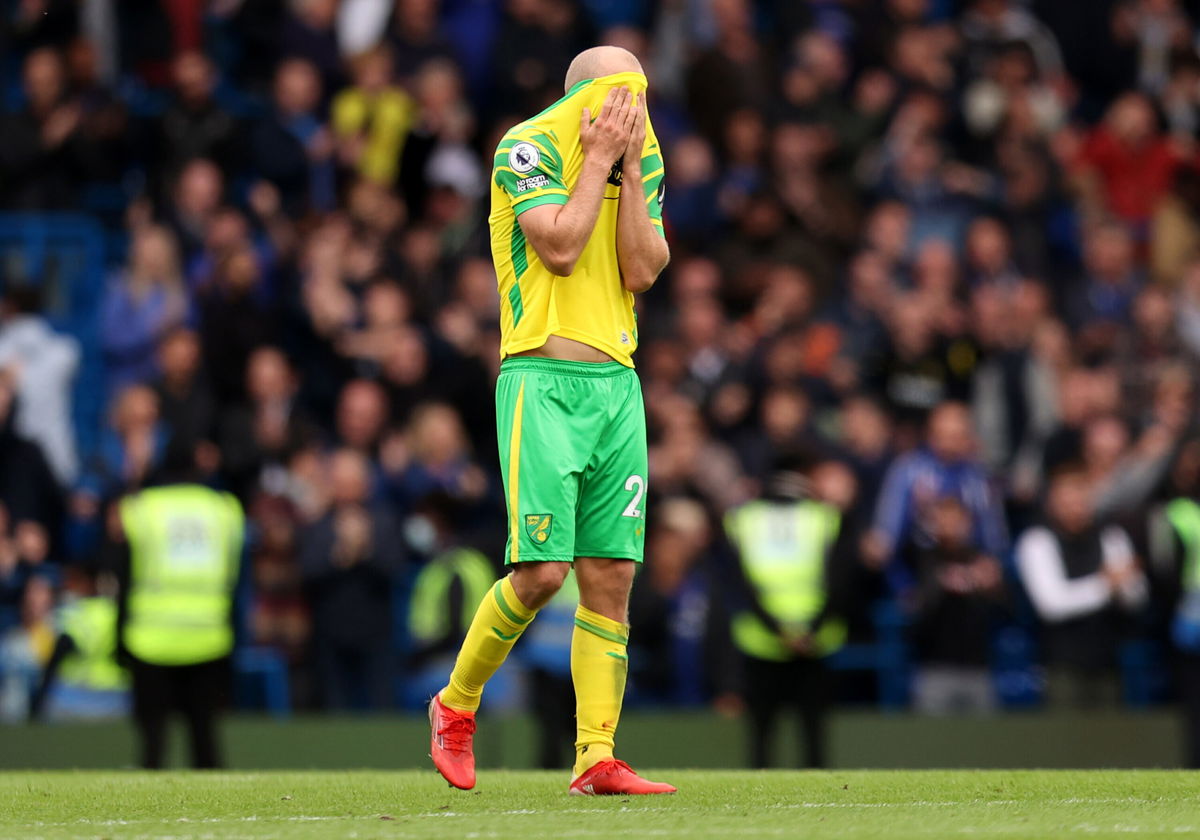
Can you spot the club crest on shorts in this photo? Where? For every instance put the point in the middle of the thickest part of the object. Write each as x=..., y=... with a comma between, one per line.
x=538, y=525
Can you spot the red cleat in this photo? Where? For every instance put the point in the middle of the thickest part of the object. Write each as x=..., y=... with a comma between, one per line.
x=614, y=778
x=450, y=744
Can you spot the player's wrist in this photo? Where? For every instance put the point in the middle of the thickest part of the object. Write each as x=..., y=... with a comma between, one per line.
x=597, y=164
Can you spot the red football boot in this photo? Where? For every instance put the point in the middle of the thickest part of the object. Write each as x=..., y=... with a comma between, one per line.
x=450, y=744
x=615, y=778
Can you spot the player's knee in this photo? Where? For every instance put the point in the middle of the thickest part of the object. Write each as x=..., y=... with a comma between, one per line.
x=537, y=583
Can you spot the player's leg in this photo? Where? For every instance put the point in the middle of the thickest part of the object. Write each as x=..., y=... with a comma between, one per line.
x=499, y=621
x=540, y=464
x=610, y=535
x=599, y=661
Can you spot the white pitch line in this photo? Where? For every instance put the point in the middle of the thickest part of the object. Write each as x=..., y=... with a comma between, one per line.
x=524, y=812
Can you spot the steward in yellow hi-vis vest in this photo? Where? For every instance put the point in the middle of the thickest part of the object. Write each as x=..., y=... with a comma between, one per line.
x=538, y=162
x=185, y=547
x=1177, y=560
x=83, y=679
x=786, y=626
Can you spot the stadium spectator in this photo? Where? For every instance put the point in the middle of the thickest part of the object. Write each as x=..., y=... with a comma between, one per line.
x=26, y=649
x=291, y=147
x=349, y=559
x=140, y=306
x=39, y=158
x=958, y=592
x=185, y=399
x=946, y=467
x=372, y=118
x=194, y=124
x=43, y=363
x=258, y=436
x=677, y=608
x=29, y=491
x=1080, y=577
x=1126, y=164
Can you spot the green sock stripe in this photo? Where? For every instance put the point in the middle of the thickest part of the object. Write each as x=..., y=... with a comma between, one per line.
x=498, y=591
x=601, y=632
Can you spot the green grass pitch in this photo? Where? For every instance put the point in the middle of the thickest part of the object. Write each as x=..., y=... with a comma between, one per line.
x=531, y=805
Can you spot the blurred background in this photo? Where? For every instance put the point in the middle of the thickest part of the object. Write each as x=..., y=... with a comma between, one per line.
x=948, y=249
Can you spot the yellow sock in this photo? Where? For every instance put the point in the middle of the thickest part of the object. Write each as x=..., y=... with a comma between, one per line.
x=599, y=666
x=498, y=623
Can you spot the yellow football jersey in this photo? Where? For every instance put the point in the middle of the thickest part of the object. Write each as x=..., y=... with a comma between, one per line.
x=538, y=162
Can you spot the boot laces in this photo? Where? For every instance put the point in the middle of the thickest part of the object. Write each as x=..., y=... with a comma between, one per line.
x=456, y=733
x=616, y=767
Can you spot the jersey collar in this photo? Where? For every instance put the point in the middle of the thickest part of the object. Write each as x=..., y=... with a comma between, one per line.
x=635, y=81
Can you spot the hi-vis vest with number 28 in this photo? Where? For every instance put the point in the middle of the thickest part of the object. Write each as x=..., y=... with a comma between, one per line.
x=185, y=545
x=783, y=546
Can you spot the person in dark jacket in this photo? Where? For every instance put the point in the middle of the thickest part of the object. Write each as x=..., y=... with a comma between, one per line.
x=28, y=489
x=959, y=593
x=349, y=559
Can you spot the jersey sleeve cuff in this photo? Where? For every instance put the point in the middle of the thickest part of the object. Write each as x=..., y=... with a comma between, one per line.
x=529, y=202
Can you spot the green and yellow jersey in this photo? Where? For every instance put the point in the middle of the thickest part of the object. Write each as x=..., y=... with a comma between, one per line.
x=538, y=162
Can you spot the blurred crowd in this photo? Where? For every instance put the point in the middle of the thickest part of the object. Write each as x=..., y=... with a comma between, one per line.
x=948, y=249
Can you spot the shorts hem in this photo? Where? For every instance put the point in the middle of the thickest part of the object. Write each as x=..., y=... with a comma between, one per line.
x=539, y=558
x=608, y=555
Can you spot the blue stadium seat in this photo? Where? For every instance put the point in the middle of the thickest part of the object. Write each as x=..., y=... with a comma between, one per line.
x=888, y=656
x=260, y=680
x=1144, y=674
x=1018, y=679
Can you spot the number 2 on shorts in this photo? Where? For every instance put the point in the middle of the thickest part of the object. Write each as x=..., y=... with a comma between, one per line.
x=636, y=485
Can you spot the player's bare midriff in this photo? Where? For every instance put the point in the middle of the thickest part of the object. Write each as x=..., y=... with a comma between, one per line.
x=567, y=349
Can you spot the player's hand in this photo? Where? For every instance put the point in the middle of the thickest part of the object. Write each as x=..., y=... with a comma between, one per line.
x=637, y=137
x=607, y=137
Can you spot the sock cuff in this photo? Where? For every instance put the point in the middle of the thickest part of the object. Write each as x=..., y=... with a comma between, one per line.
x=509, y=604
x=602, y=626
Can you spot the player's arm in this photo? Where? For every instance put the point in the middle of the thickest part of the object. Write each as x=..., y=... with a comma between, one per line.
x=642, y=250
x=559, y=233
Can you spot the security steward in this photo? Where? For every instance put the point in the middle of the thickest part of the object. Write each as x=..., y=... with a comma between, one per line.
x=83, y=678
x=1177, y=553
x=444, y=594
x=176, y=629
x=784, y=620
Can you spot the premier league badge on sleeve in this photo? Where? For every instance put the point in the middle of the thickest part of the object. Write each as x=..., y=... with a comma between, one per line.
x=523, y=157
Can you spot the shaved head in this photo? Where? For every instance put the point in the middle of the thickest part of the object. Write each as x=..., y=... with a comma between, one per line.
x=601, y=61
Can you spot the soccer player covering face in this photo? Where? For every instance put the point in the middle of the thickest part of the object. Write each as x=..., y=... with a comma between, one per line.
x=576, y=227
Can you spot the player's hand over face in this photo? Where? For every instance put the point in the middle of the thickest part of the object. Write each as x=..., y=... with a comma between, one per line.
x=637, y=135
x=608, y=137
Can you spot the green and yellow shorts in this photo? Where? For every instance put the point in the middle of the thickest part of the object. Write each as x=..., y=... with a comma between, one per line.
x=573, y=457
